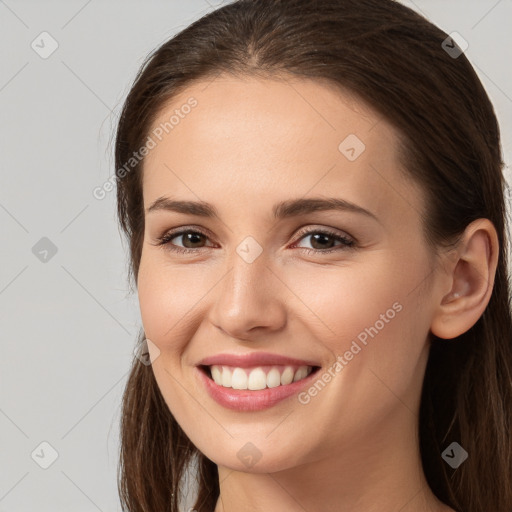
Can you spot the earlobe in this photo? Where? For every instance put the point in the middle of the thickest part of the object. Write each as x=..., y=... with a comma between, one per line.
x=470, y=280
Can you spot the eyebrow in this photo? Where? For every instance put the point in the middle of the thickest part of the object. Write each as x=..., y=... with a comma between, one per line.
x=285, y=209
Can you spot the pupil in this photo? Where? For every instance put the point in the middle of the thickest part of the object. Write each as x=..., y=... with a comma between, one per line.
x=189, y=237
x=315, y=237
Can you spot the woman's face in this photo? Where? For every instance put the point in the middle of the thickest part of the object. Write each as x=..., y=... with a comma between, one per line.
x=272, y=272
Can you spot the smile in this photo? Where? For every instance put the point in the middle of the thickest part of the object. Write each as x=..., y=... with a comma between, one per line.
x=259, y=377
x=254, y=392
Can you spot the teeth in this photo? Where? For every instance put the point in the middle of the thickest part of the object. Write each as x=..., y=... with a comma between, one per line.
x=273, y=378
x=226, y=377
x=238, y=379
x=255, y=379
x=287, y=376
x=300, y=373
x=216, y=375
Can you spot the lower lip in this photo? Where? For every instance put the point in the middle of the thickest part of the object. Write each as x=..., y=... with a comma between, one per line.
x=245, y=400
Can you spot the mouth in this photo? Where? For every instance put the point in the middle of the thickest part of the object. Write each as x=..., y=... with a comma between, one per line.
x=257, y=377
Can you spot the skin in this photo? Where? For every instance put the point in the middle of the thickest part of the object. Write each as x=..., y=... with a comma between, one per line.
x=251, y=143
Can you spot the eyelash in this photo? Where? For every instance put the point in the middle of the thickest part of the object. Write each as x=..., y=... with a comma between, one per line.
x=346, y=242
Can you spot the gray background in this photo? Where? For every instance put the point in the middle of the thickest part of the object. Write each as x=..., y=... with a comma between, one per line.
x=69, y=321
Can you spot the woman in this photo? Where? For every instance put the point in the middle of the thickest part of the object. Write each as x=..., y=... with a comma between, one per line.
x=314, y=201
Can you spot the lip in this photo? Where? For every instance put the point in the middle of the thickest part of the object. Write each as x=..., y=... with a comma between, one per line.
x=254, y=359
x=244, y=400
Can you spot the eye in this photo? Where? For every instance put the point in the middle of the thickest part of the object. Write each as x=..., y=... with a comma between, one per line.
x=324, y=240
x=190, y=238
x=193, y=239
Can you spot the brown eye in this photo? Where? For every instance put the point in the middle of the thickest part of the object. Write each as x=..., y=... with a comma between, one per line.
x=191, y=240
x=322, y=241
x=325, y=241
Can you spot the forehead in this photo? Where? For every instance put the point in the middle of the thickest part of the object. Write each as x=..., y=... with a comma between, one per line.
x=275, y=138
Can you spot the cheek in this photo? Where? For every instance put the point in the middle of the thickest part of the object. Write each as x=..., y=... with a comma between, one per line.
x=368, y=317
x=167, y=311
x=369, y=308
x=161, y=300
x=170, y=299
x=343, y=300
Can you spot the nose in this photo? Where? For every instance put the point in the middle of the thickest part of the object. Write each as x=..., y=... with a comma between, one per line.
x=250, y=300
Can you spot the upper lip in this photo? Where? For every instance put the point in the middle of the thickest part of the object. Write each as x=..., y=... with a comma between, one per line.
x=253, y=359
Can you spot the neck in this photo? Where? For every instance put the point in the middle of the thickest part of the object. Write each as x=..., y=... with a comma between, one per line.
x=379, y=472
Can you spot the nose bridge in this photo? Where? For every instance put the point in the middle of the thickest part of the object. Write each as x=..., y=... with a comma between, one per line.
x=247, y=282
x=248, y=296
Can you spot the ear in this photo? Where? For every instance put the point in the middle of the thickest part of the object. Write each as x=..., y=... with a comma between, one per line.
x=468, y=280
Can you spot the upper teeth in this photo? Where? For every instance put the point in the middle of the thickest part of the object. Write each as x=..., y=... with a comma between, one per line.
x=256, y=378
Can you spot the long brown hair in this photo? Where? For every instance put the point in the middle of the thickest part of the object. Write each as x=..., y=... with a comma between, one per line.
x=394, y=60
